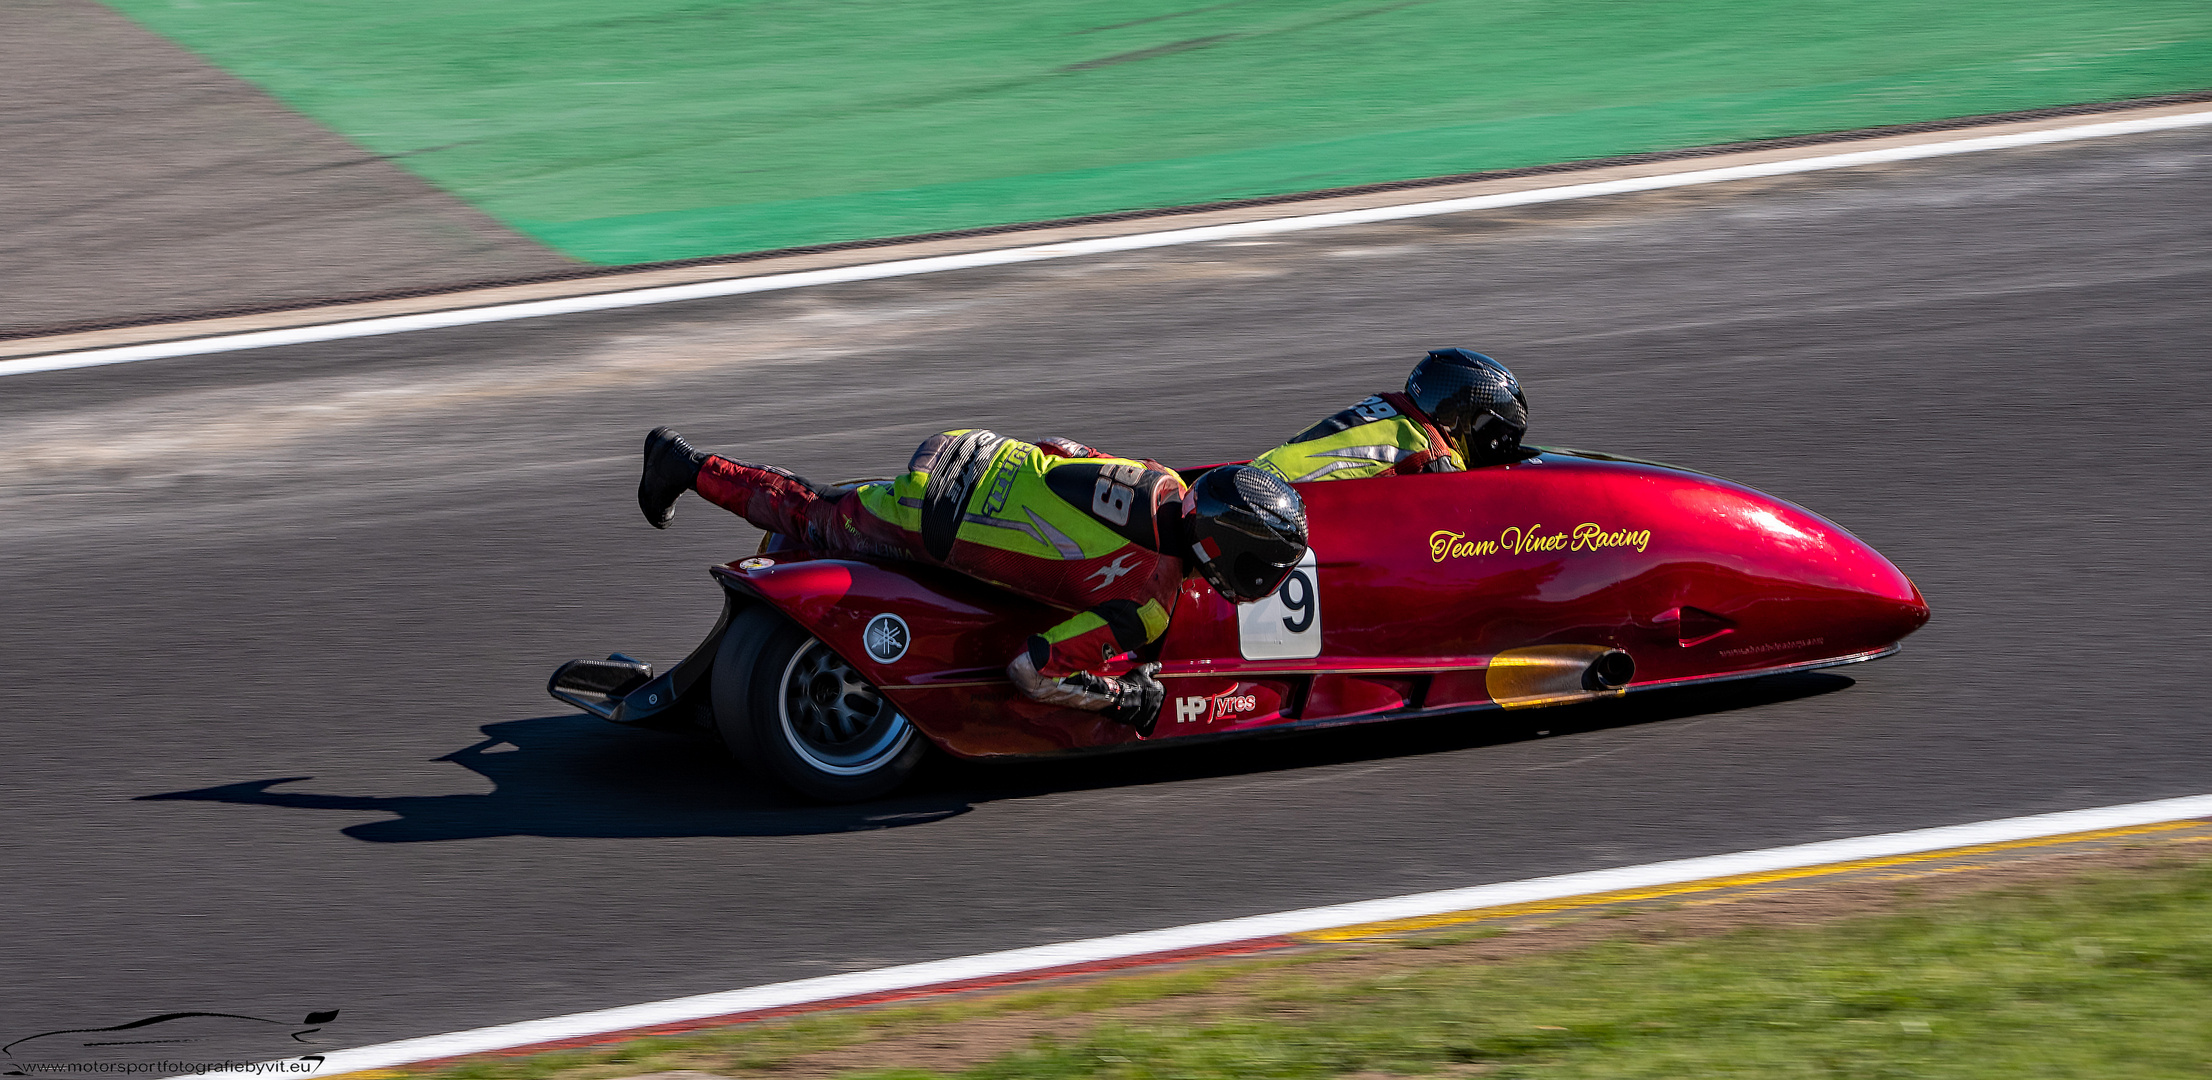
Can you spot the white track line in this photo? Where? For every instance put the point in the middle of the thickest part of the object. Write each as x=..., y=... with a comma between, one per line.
x=401, y=324
x=1231, y=931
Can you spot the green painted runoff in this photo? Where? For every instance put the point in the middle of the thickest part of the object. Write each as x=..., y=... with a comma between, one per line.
x=663, y=129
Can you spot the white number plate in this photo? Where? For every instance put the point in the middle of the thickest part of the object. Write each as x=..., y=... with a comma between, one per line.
x=1287, y=625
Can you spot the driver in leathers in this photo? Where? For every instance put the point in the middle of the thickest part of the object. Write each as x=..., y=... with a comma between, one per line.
x=1056, y=521
x=1460, y=410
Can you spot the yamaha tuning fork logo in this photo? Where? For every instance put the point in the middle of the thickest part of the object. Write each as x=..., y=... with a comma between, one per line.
x=886, y=637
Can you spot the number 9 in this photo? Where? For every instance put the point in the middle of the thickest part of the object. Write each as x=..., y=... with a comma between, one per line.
x=1300, y=602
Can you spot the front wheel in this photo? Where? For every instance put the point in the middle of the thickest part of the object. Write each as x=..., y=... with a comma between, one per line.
x=794, y=711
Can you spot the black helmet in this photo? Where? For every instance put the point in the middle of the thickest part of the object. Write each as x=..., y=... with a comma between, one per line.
x=1247, y=530
x=1474, y=401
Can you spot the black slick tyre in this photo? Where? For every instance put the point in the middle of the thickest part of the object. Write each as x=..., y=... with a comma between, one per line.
x=794, y=712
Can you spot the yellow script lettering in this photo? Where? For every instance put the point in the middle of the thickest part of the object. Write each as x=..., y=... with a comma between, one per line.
x=1513, y=540
x=1440, y=543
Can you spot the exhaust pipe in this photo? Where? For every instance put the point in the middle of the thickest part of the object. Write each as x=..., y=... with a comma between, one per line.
x=1611, y=671
x=1557, y=675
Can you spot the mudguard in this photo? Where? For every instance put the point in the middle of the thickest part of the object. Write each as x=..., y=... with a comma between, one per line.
x=935, y=642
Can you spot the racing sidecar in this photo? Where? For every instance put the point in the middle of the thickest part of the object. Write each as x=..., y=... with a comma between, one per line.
x=1567, y=576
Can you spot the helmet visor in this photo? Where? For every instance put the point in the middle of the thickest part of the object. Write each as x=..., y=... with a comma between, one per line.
x=1245, y=579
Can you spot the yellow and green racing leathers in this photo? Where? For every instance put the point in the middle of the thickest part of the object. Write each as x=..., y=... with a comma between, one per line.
x=1055, y=521
x=1384, y=435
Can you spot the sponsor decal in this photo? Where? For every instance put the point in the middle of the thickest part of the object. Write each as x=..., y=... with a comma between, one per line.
x=1446, y=544
x=886, y=637
x=1228, y=705
x=1201, y=710
x=1590, y=536
x=1514, y=540
x=1002, y=482
x=756, y=564
x=1774, y=646
x=1112, y=571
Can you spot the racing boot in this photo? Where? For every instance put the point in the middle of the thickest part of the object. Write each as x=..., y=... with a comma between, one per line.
x=671, y=468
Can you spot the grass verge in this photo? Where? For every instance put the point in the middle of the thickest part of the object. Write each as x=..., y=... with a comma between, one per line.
x=2106, y=973
x=662, y=129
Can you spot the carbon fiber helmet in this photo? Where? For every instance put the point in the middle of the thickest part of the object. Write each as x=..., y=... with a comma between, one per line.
x=1247, y=530
x=1474, y=401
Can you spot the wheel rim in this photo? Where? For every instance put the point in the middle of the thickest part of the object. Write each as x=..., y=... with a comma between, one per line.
x=833, y=719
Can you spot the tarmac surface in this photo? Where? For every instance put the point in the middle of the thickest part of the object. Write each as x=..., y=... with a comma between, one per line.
x=142, y=180
x=306, y=598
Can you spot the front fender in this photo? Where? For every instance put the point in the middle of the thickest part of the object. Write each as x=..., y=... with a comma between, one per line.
x=949, y=677
x=942, y=626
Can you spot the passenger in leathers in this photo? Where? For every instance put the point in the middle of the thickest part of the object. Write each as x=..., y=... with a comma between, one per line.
x=1460, y=409
x=1109, y=538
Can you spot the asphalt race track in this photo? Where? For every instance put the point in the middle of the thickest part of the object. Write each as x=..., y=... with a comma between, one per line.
x=306, y=599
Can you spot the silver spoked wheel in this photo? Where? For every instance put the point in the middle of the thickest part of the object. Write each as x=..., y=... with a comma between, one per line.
x=833, y=719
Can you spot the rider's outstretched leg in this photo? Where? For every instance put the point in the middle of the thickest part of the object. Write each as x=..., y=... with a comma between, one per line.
x=769, y=497
x=776, y=500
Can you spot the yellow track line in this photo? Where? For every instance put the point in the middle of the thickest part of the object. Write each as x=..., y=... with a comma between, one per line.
x=1571, y=903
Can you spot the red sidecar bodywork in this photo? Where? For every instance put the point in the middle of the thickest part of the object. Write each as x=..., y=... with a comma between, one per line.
x=1422, y=594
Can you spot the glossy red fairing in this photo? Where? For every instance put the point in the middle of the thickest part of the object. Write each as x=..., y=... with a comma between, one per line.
x=1421, y=581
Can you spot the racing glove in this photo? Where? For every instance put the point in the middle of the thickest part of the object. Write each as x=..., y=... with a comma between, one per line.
x=1133, y=699
x=1137, y=699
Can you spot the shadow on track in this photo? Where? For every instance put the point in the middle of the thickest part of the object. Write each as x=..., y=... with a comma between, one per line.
x=578, y=776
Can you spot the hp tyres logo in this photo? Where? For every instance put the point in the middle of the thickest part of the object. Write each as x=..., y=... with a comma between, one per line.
x=886, y=638
x=1228, y=705
x=1203, y=710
